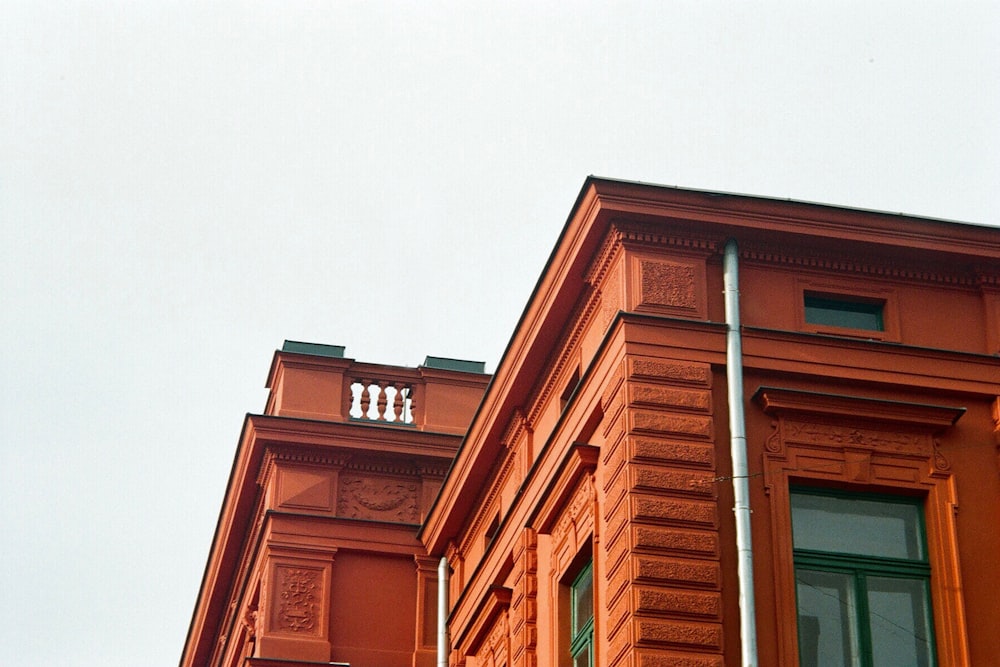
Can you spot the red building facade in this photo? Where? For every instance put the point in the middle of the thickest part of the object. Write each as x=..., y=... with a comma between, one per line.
x=583, y=496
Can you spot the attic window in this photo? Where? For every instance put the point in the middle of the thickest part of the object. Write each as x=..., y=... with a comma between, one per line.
x=570, y=387
x=844, y=311
x=492, y=528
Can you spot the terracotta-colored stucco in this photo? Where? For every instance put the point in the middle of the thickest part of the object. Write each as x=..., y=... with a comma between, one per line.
x=604, y=436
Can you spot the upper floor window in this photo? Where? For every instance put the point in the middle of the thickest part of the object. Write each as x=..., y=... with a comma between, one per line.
x=862, y=581
x=582, y=618
x=838, y=311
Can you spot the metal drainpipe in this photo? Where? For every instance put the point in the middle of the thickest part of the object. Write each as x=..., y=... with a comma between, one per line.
x=443, y=647
x=738, y=449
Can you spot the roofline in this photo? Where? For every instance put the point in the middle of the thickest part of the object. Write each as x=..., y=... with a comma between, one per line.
x=733, y=215
x=789, y=200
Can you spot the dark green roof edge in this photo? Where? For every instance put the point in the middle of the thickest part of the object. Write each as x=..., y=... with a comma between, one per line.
x=444, y=363
x=315, y=349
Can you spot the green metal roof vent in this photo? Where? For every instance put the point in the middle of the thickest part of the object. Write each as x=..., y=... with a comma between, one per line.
x=315, y=349
x=461, y=365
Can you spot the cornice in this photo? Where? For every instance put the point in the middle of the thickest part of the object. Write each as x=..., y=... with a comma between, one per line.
x=270, y=430
x=633, y=232
x=492, y=491
x=894, y=268
x=566, y=346
x=739, y=211
x=518, y=425
x=780, y=401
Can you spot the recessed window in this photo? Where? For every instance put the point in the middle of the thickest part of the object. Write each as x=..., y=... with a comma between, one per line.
x=493, y=527
x=835, y=311
x=862, y=580
x=582, y=618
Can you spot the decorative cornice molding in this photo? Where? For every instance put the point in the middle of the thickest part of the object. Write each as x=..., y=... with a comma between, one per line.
x=931, y=418
x=347, y=460
x=867, y=266
x=653, y=234
x=484, y=508
x=515, y=428
x=566, y=346
x=609, y=251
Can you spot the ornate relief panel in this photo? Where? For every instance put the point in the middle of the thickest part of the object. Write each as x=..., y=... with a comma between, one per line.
x=870, y=444
x=295, y=601
x=378, y=498
x=672, y=286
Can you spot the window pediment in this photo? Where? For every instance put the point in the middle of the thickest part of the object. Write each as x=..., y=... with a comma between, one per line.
x=817, y=406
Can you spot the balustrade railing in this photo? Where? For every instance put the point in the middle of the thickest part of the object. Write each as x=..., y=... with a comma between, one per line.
x=382, y=400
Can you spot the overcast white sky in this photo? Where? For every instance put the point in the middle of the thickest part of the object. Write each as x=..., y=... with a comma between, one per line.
x=184, y=185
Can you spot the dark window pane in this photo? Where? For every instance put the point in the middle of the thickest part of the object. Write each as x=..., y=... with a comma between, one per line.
x=583, y=599
x=844, y=313
x=842, y=524
x=900, y=622
x=827, y=620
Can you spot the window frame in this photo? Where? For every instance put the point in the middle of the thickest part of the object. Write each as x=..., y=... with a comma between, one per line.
x=858, y=568
x=583, y=638
x=862, y=444
x=848, y=292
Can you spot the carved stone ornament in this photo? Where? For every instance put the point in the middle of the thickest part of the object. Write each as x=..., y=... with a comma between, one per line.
x=298, y=599
x=379, y=499
x=833, y=435
x=668, y=284
x=250, y=621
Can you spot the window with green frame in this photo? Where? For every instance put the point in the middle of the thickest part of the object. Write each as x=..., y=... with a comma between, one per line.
x=581, y=644
x=862, y=580
x=838, y=311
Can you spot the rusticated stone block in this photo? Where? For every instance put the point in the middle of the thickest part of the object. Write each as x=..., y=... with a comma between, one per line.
x=673, y=452
x=695, y=542
x=672, y=601
x=676, y=571
x=694, y=482
x=655, y=658
x=620, y=640
x=674, y=397
x=615, y=489
x=676, y=633
x=616, y=550
x=612, y=414
x=668, y=422
x=617, y=518
x=615, y=434
x=618, y=580
x=656, y=508
x=618, y=612
x=615, y=459
x=675, y=371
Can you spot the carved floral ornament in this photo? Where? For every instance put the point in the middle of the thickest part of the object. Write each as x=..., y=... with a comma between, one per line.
x=298, y=599
x=830, y=420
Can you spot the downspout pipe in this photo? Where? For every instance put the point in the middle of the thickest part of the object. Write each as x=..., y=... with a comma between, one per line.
x=738, y=450
x=443, y=647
